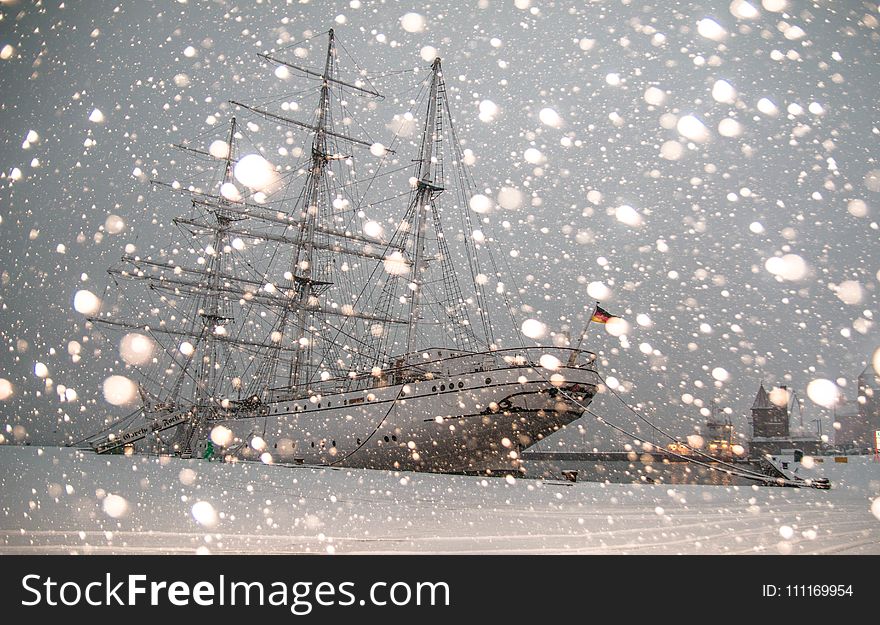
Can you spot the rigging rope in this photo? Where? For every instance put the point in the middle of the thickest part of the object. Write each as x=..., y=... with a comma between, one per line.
x=113, y=425
x=376, y=429
x=731, y=470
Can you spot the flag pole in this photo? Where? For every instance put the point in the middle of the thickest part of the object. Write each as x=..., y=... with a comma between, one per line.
x=573, y=357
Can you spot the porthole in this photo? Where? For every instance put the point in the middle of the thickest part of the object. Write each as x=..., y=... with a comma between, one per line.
x=386, y=439
x=313, y=443
x=488, y=380
x=359, y=441
x=434, y=389
x=461, y=385
x=333, y=443
x=442, y=387
x=394, y=438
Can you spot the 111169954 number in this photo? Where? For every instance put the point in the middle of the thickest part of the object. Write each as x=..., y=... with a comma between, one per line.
x=807, y=590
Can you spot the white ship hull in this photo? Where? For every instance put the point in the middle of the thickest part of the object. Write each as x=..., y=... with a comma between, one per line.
x=477, y=415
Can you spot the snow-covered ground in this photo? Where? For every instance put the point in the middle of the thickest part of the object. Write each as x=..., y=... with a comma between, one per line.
x=56, y=500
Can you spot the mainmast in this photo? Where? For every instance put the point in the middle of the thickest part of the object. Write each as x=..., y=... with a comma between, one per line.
x=303, y=269
x=316, y=237
x=248, y=357
x=428, y=187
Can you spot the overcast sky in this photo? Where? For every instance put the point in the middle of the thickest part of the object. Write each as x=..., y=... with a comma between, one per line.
x=694, y=143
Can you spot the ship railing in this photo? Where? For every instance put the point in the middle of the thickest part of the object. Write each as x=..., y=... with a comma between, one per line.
x=444, y=362
x=513, y=356
x=568, y=356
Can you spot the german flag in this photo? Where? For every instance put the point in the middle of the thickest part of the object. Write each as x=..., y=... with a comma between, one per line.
x=600, y=315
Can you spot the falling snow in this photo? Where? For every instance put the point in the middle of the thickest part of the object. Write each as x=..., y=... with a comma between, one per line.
x=708, y=173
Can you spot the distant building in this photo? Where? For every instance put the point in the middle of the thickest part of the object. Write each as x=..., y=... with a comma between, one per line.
x=850, y=431
x=860, y=418
x=722, y=438
x=769, y=420
x=770, y=427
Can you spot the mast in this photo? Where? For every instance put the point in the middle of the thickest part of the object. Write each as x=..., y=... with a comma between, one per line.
x=206, y=371
x=303, y=269
x=200, y=296
x=426, y=191
x=308, y=277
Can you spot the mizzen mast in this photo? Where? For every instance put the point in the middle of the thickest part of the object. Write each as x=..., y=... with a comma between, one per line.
x=213, y=321
x=274, y=343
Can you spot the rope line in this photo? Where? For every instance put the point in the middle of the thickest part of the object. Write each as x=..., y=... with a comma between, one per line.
x=376, y=429
x=688, y=446
x=732, y=470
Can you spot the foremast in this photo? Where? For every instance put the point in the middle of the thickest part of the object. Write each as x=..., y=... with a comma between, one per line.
x=432, y=294
x=426, y=191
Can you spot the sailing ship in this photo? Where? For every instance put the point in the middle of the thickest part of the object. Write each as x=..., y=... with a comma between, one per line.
x=315, y=327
